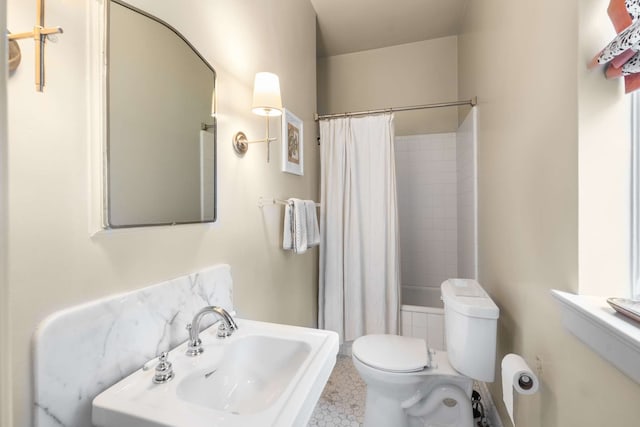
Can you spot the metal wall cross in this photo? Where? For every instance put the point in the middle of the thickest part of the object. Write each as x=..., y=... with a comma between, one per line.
x=39, y=35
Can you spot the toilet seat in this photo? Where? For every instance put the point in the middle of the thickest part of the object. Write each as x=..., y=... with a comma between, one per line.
x=391, y=353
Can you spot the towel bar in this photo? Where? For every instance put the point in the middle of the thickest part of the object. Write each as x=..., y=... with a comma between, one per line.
x=262, y=201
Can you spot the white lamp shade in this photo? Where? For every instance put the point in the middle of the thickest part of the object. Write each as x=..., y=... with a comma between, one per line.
x=266, y=95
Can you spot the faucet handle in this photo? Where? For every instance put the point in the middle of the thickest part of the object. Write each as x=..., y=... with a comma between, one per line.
x=194, y=347
x=164, y=369
x=225, y=331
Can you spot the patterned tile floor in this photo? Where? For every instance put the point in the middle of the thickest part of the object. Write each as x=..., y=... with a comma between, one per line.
x=342, y=401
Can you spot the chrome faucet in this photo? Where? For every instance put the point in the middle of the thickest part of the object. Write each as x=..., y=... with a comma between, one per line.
x=225, y=329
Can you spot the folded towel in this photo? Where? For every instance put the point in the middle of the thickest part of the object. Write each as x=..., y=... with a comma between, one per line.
x=295, y=226
x=287, y=233
x=313, y=231
x=299, y=226
x=300, y=231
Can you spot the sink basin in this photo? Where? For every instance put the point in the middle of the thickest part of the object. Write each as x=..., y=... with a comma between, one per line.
x=263, y=375
x=238, y=384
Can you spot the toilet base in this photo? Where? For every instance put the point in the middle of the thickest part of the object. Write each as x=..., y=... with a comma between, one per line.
x=447, y=405
x=384, y=411
x=425, y=398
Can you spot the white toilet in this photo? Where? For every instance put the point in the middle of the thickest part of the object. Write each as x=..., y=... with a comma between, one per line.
x=409, y=385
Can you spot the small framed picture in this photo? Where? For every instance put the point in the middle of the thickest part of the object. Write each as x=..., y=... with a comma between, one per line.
x=292, y=144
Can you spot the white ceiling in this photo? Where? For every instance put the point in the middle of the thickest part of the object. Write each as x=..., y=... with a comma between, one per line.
x=346, y=26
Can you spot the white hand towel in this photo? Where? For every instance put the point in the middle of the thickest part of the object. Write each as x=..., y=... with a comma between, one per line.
x=299, y=226
x=313, y=231
x=294, y=235
x=287, y=232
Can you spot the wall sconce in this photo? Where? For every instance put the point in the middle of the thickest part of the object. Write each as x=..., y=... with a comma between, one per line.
x=40, y=34
x=266, y=102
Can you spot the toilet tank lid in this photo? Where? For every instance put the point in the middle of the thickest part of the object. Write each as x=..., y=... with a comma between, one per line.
x=467, y=297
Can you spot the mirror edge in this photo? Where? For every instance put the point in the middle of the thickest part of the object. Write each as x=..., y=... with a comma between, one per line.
x=96, y=132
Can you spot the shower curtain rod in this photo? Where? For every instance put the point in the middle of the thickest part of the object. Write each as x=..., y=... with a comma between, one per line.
x=472, y=102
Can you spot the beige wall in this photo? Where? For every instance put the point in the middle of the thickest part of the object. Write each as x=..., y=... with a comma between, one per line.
x=53, y=263
x=5, y=368
x=522, y=61
x=604, y=174
x=409, y=74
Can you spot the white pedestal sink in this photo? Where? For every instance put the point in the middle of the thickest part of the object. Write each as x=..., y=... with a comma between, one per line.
x=263, y=375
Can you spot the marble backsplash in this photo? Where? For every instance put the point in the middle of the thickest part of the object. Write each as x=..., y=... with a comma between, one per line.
x=83, y=350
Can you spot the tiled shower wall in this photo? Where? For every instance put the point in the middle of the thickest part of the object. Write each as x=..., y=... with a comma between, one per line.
x=466, y=160
x=427, y=208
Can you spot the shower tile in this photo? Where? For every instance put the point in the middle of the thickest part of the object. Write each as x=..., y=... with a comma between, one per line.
x=406, y=324
x=436, y=331
x=450, y=224
x=427, y=205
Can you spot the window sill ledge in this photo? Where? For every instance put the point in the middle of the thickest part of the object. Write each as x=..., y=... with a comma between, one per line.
x=611, y=335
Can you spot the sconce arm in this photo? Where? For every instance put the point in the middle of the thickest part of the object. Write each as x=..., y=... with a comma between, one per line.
x=260, y=140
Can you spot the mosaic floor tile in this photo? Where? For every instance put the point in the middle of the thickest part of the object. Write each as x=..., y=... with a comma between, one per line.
x=342, y=401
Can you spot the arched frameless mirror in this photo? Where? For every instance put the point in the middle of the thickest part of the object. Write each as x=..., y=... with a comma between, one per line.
x=160, y=163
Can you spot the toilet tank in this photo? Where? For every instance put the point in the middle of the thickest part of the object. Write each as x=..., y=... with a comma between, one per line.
x=470, y=320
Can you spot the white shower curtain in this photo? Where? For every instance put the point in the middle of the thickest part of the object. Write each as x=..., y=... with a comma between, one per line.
x=359, y=260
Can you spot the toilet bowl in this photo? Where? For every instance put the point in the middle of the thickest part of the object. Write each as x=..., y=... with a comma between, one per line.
x=409, y=385
x=396, y=398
